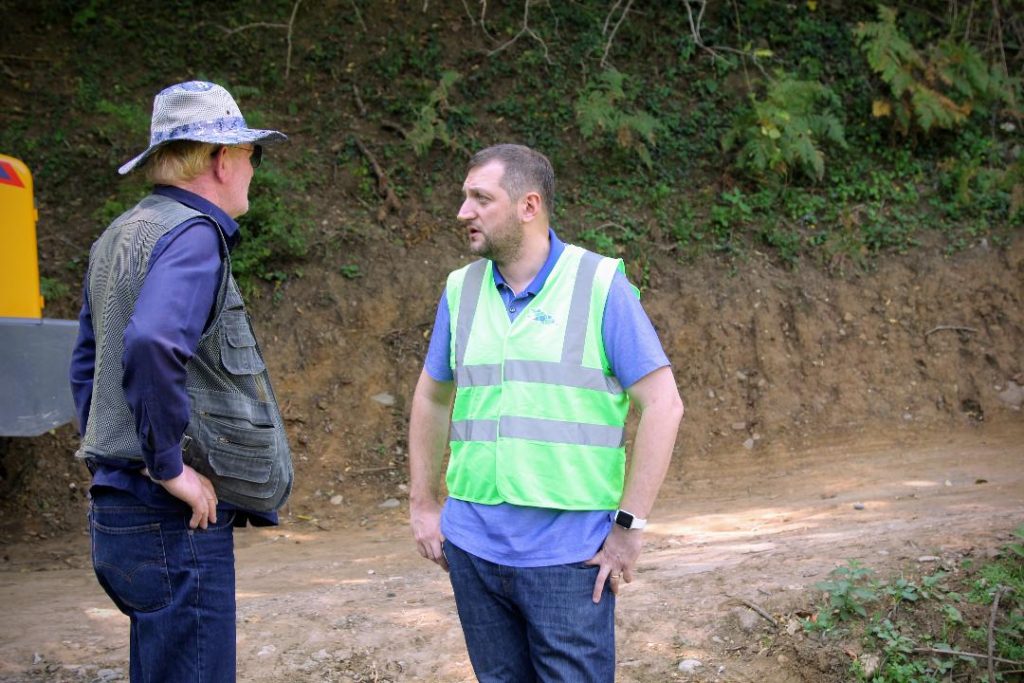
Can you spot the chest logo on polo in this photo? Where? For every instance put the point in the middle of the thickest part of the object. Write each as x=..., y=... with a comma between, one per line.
x=539, y=316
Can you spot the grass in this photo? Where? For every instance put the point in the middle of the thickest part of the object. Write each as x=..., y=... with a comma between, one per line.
x=929, y=628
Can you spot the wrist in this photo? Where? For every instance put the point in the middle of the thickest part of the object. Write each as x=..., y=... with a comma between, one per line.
x=629, y=521
x=166, y=464
x=419, y=500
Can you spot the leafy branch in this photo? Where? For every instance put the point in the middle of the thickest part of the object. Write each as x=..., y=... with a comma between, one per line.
x=935, y=87
x=787, y=129
x=430, y=125
x=599, y=110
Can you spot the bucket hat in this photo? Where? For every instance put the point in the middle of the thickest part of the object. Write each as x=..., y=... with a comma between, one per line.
x=200, y=111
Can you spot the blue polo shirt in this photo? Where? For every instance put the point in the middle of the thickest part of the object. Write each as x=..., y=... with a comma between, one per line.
x=522, y=536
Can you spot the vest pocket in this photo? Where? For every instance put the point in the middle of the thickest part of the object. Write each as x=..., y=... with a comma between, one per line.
x=241, y=469
x=238, y=350
x=242, y=456
x=238, y=444
x=242, y=439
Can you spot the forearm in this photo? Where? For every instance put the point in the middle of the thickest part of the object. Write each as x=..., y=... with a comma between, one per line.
x=429, y=422
x=154, y=388
x=83, y=364
x=653, y=446
x=171, y=311
x=660, y=413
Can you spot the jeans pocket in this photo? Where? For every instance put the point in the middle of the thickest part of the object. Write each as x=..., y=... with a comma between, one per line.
x=225, y=521
x=131, y=564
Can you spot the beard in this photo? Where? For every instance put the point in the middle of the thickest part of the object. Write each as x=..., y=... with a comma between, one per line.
x=503, y=244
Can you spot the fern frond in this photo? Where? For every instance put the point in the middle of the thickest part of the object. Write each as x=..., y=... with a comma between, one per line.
x=599, y=109
x=786, y=130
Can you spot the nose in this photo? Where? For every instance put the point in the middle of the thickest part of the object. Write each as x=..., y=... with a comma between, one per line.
x=465, y=211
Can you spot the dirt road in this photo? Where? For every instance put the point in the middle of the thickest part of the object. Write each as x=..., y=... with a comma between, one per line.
x=358, y=604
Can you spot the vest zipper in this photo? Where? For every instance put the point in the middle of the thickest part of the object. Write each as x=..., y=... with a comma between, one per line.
x=231, y=442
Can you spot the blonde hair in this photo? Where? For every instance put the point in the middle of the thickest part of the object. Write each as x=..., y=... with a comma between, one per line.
x=179, y=161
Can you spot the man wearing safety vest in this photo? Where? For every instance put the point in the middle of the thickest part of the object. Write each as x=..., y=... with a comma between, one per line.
x=542, y=345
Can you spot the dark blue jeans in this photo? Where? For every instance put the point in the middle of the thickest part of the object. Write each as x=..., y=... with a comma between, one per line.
x=526, y=624
x=176, y=584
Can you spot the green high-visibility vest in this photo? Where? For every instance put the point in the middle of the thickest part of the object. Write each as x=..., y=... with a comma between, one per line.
x=538, y=420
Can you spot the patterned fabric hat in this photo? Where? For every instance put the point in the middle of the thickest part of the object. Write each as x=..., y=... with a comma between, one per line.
x=200, y=111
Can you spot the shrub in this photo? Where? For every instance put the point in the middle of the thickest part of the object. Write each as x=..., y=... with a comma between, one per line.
x=274, y=230
x=430, y=124
x=787, y=130
x=934, y=87
x=600, y=110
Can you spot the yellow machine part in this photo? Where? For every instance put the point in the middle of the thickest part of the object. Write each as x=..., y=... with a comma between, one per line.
x=19, y=266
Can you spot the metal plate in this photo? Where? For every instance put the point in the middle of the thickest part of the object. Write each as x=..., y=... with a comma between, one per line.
x=35, y=392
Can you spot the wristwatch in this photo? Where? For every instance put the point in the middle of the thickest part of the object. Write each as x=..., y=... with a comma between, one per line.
x=627, y=520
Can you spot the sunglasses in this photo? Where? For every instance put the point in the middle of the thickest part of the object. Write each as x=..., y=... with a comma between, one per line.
x=256, y=158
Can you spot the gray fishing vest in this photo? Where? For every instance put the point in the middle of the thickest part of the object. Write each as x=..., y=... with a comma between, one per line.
x=235, y=435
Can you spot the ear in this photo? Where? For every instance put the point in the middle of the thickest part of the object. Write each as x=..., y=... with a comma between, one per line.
x=220, y=164
x=530, y=206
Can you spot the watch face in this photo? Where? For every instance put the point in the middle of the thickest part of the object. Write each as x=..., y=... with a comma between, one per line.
x=624, y=519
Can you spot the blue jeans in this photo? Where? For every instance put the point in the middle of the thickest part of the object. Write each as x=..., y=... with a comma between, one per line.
x=177, y=585
x=526, y=624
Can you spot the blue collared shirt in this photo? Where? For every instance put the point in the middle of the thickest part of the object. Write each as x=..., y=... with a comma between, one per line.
x=175, y=305
x=528, y=536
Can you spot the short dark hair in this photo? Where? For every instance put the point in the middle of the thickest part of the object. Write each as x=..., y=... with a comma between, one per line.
x=525, y=170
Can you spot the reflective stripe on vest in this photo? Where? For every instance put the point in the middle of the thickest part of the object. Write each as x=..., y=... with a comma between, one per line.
x=538, y=429
x=539, y=372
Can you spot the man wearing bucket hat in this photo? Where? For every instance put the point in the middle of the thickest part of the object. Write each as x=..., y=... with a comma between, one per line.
x=179, y=423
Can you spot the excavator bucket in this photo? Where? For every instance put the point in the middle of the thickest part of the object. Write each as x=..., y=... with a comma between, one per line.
x=34, y=357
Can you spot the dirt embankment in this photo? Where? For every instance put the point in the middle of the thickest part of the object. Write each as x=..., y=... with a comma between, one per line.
x=766, y=359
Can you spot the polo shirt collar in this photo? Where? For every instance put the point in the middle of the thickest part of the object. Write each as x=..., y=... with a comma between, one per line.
x=228, y=225
x=557, y=247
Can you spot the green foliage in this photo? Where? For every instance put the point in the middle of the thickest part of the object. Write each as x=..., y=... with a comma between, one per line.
x=831, y=185
x=934, y=623
x=611, y=239
x=604, y=110
x=53, y=289
x=351, y=271
x=902, y=590
x=1018, y=547
x=431, y=124
x=934, y=87
x=899, y=663
x=274, y=231
x=124, y=122
x=849, y=591
x=788, y=129
x=931, y=586
x=731, y=213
